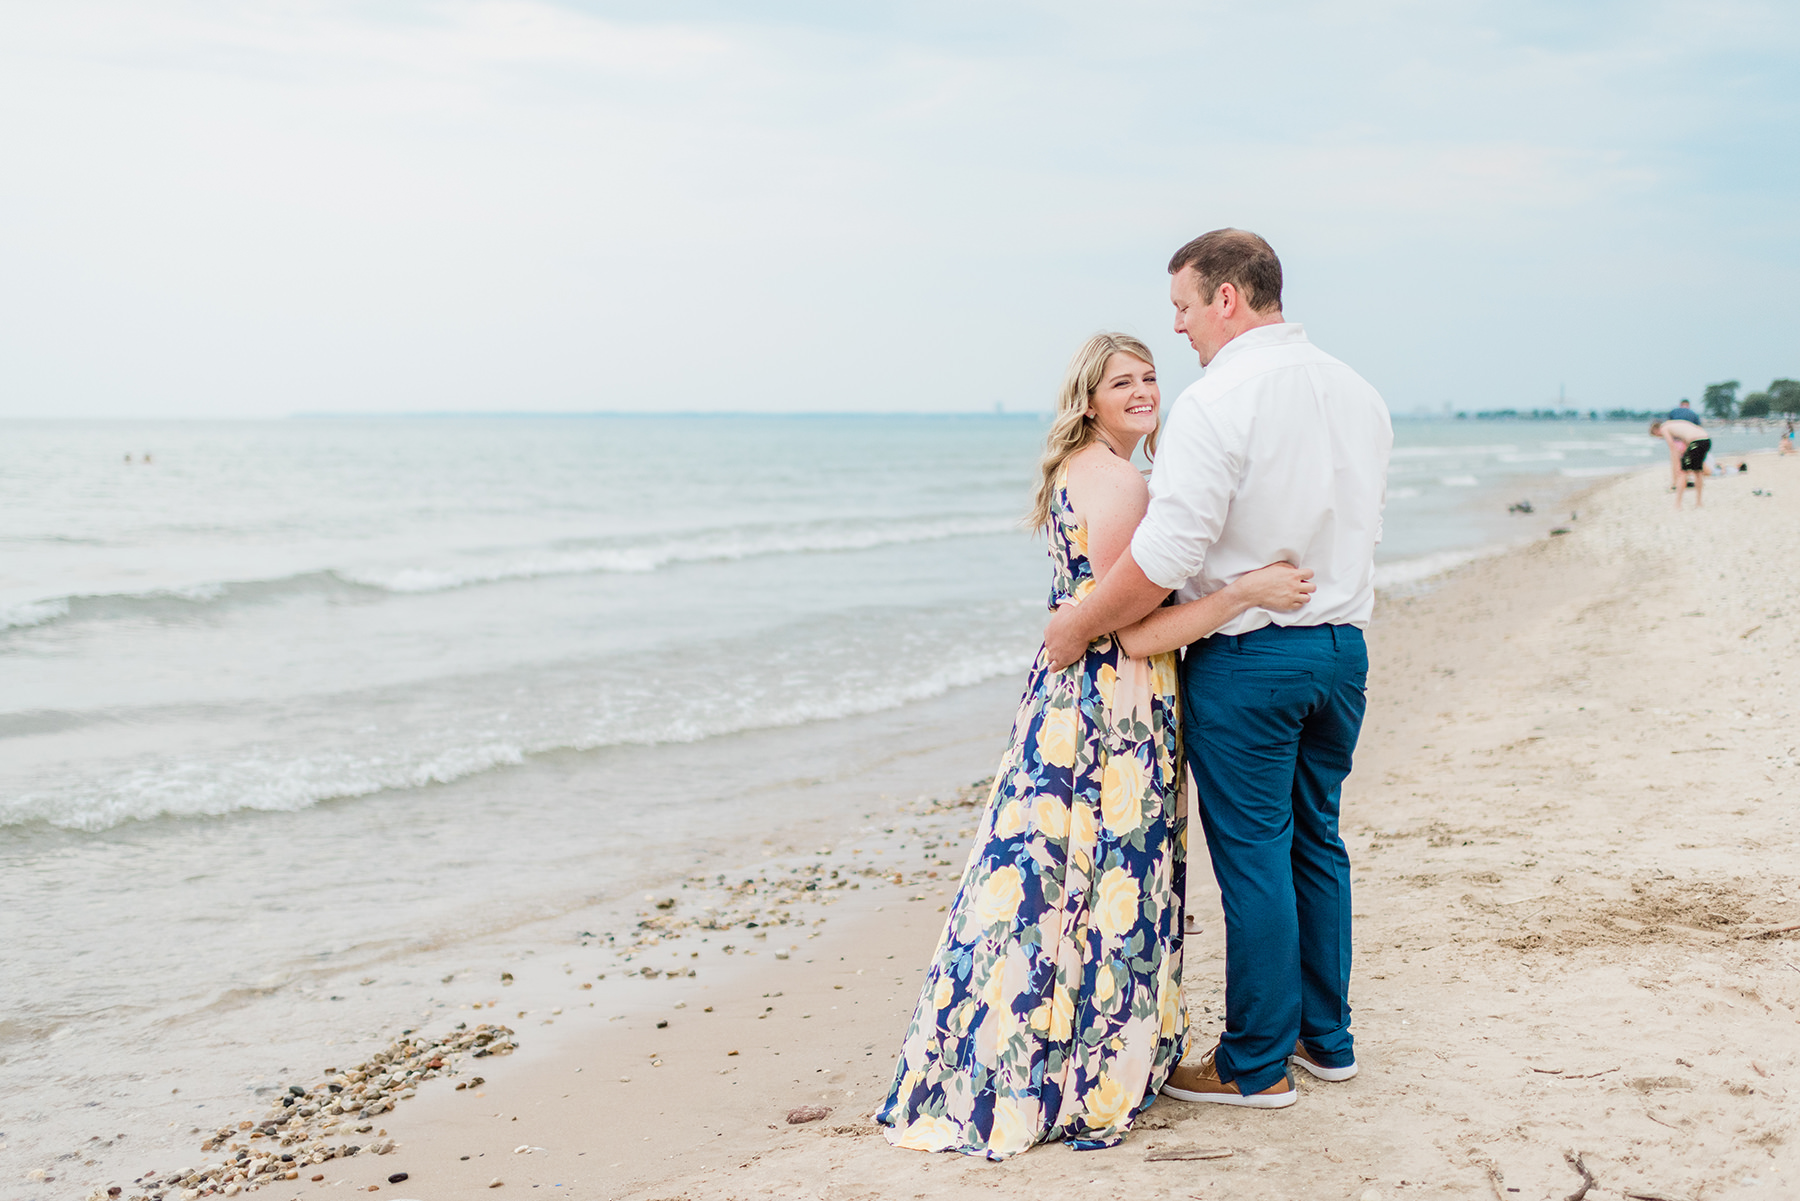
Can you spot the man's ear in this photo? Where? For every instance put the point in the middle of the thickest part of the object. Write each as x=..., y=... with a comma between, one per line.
x=1229, y=300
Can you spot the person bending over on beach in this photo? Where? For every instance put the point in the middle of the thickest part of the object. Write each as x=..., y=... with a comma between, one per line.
x=1279, y=452
x=1688, y=444
x=1052, y=1008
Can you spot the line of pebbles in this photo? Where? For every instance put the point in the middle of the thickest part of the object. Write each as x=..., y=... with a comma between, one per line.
x=765, y=901
x=297, y=1132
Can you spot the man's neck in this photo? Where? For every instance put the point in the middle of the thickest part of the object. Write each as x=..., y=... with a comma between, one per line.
x=1254, y=321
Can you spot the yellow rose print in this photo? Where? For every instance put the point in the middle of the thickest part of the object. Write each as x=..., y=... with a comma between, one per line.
x=928, y=1134
x=1013, y=1130
x=1062, y=1013
x=1082, y=830
x=1056, y=738
x=1051, y=816
x=1162, y=674
x=1108, y=1102
x=1122, y=789
x=1105, y=983
x=1105, y=680
x=1010, y=821
x=1168, y=1009
x=1116, y=910
x=946, y=989
x=1000, y=896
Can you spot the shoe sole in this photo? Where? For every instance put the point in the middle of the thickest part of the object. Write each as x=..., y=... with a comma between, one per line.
x=1322, y=1072
x=1253, y=1101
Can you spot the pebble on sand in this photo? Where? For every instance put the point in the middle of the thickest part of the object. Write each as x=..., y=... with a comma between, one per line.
x=805, y=1114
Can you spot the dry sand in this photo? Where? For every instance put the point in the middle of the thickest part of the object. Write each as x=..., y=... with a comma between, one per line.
x=1572, y=825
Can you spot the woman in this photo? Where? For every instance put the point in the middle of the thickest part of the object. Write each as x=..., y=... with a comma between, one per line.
x=1053, y=1007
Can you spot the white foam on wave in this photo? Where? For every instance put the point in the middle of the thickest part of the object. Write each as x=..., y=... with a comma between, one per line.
x=1403, y=573
x=441, y=739
x=632, y=560
x=1452, y=451
x=33, y=613
x=1592, y=473
x=722, y=546
x=1459, y=481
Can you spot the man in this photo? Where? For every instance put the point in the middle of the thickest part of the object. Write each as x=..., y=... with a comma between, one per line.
x=1279, y=453
x=1684, y=412
x=1688, y=444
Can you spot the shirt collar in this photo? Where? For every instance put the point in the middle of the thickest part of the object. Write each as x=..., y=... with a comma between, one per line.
x=1284, y=333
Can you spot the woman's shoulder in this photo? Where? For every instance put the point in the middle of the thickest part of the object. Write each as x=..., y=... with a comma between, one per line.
x=1096, y=465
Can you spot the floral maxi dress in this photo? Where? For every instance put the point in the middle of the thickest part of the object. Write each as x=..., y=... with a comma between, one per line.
x=1053, y=1006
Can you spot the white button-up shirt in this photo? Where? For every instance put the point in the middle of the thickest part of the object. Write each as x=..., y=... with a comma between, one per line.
x=1278, y=452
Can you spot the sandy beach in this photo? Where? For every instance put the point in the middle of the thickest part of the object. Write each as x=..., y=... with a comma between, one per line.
x=1572, y=826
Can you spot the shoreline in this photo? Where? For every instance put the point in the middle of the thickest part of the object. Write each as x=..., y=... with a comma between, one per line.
x=703, y=1133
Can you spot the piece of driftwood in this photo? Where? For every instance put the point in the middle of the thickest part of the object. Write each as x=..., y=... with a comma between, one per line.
x=1587, y=1177
x=1188, y=1151
x=1771, y=933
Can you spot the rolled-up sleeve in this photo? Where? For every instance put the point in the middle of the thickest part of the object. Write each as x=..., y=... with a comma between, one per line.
x=1198, y=464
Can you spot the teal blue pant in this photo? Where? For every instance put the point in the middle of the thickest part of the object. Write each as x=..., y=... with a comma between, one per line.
x=1270, y=720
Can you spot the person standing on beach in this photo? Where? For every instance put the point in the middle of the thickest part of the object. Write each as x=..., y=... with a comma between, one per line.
x=1052, y=1009
x=1688, y=444
x=1279, y=452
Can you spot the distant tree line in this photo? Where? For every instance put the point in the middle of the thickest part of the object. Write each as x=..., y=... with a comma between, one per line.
x=1780, y=398
x=1720, y=402
x=1561, y=415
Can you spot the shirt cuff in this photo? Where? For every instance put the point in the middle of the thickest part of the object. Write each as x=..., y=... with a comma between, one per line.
x=1158, y=558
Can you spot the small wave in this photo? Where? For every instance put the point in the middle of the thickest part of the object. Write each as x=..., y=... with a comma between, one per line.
x=1459, y=481
x=1402, y=493
x=1589, y=473
x=33, y=613
x=1443, y=452
x=180, y=601
x=700, y=548
x=1403, y=573
x=167, y=603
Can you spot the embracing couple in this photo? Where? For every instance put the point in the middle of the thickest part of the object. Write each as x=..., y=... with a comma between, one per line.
x=1053, y=1007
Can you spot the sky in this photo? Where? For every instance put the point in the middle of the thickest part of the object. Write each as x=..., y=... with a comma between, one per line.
x=257, y=209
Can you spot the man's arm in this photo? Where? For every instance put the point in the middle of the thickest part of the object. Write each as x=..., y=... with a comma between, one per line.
x=1123, y=596
x=1191, y=488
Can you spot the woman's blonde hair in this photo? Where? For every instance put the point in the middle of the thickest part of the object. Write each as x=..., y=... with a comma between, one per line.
x=1071, y=429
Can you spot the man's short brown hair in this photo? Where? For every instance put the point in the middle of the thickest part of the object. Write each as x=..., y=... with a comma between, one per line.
x=1237, y=257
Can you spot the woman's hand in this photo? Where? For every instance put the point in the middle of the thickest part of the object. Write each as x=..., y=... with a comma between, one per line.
x=1279, y=586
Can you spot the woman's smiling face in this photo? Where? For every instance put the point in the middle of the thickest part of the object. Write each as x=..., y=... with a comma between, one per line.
x=1125, y=405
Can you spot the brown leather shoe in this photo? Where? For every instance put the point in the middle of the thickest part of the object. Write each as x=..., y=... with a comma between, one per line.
x=1200, y=1082
x=1302, y=1058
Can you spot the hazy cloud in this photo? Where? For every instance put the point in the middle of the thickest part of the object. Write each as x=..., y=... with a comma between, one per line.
x=258, y=208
